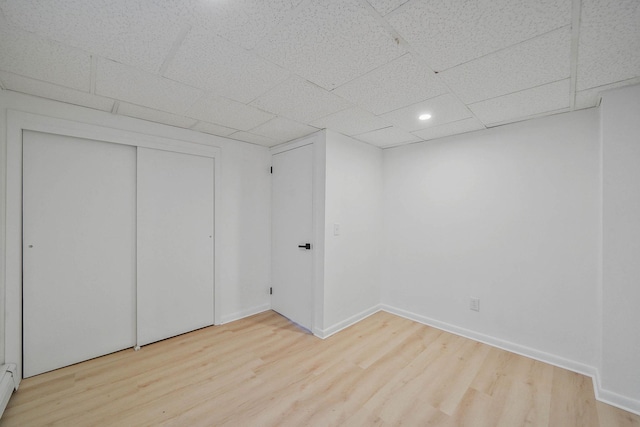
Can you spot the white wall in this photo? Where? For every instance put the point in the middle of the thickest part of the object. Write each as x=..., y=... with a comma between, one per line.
x=246, y=234
x=351, y=259
x=244, y=208
x=3, y=175
x=508, y=215
x=620, y=365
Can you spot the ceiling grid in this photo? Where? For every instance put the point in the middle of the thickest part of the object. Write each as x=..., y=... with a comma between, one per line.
x=268, y=71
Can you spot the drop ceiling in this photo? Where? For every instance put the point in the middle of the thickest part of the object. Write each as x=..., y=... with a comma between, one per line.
x=268, y=71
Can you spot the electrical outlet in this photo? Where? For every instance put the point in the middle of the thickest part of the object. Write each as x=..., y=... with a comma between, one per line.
x=336, y=229
x=474, y=304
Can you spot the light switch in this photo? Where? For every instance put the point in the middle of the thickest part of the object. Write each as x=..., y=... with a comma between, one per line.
x=336, y=229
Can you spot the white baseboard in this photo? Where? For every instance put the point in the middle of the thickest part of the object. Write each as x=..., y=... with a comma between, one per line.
x=614, y=399
x=602, y=395
x=244, y=313
x=326, y=333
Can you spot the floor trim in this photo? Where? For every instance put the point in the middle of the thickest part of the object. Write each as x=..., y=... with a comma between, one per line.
x=226, y=318
x=326, y=333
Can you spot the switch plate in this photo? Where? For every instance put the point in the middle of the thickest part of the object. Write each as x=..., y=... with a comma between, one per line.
x=336, y=229
x=474, y=304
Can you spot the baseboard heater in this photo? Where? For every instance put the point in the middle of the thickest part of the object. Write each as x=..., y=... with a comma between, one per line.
x=8, y=384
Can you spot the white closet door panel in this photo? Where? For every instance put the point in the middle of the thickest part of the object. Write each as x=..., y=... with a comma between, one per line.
x=79, y=201
x=175, y=243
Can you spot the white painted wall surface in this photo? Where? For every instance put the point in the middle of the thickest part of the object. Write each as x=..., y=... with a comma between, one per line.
x=3, y=221
x=620, y=368
x=510, y=216
x=245, y=261
x=243, y=209
x=352, y=259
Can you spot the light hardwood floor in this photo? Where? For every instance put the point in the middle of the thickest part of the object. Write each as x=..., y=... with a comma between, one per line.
x=264, y=371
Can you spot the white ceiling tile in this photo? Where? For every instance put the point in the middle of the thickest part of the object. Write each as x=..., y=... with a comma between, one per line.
x=397, y=84
x=520, y=105
x=138, y=33
x=244, y=22
x=36, y=57
x=300, y=100
x=139, y=87
x=152, y=115
x=352, y=121
x=537, y=61
x=283, y=130
x=387, y=137
x=443, y=109
x=609, y=42
x=226, y=112
x=331, y=42
x=42, y=89
x=591, y=97
x=461, y=126
x=213, y=63
x=385, y=6
x=213, y=129
x=254, y=139
x=448, y=33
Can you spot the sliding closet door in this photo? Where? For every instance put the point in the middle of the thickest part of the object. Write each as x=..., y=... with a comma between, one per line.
x=79, y=207
x=175, y=243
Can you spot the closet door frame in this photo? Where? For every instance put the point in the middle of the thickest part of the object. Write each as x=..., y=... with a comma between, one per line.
x=19, y=121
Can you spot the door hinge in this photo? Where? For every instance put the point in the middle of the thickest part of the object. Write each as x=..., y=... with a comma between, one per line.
x=270, y=291
x=271, y=169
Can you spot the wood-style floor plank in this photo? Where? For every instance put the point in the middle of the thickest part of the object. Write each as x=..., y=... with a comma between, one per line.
x=264, y=370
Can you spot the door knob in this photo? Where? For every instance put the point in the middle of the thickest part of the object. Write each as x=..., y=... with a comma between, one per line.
x=306, y=246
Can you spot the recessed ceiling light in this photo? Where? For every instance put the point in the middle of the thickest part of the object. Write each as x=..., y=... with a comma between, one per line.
x=425, y=116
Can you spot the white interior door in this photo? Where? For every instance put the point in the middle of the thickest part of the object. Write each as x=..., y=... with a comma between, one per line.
x=292, y=219
x=79, y=201
x=175, y=243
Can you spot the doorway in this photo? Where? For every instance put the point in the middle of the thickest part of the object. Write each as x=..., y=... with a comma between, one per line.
x=292, y=233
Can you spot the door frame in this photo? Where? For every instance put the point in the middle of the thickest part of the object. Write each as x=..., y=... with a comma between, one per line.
x=17, y=122
x=318, y=140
